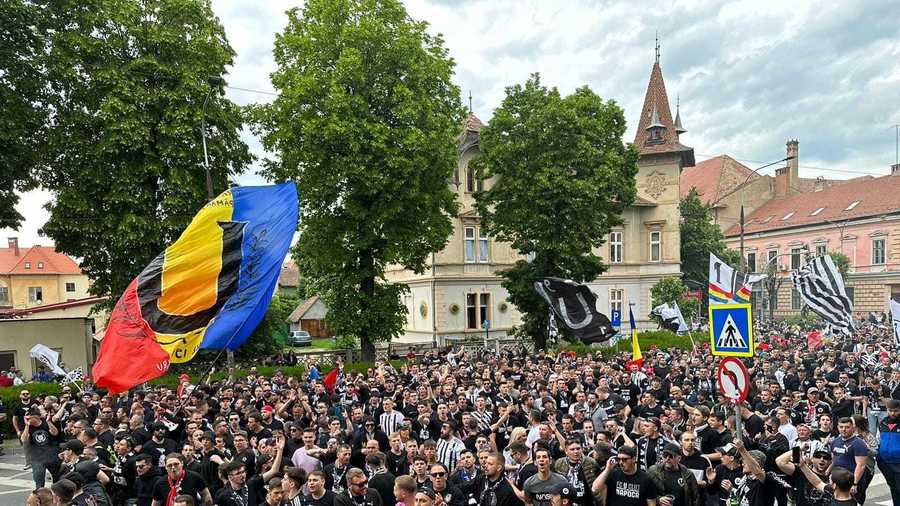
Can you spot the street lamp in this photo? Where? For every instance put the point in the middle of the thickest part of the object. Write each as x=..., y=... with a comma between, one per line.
x=214, y=83
x=740, y=188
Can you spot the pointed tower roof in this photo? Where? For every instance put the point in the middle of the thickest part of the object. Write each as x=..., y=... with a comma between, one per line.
x=655, y=112
x=678, y=128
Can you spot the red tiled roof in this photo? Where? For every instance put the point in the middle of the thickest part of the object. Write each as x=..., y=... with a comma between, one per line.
x=656, y=96
x=876, y=196
x=472, y=123
x=51, y=307
x=714, y=178
x=53, y=262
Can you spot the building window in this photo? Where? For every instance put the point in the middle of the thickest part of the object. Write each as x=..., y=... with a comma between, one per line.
x=795, y=299
x=4, y=295
x=615, y=300
x=795, y=258
x=820, y=250
x=484, y=308
x=482, y=246
x=655, y=253
x=28, y=265
x=40, y=265
x=478, y=309
x=7, y=360
x=472, y=181
x=878, y=251
x=470, y=244
x=615, y=247
x=35, y=294
x=751, y=262
x=70, y=287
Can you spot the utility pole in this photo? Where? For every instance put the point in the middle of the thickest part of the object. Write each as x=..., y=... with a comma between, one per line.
x=214, y=83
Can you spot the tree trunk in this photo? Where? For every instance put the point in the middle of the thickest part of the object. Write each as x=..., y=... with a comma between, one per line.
x=367, y=287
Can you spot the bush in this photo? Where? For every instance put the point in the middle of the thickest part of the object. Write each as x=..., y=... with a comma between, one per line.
x=663, y=339
x=805, y=320
x=10, y=398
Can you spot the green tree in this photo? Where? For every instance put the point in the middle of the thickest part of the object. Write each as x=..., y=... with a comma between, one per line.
x=672, y=289
x=842, y=262
x=700, y=237
x=268, y=338
x=23, y=93
x=367, y=124
x=561, y=179
x=122, y=153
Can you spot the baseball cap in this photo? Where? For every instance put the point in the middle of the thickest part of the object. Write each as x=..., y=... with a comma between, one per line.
x=267, y=409
x=74, y=445
x=811, y=390
x=672, y=449
x=565, y=491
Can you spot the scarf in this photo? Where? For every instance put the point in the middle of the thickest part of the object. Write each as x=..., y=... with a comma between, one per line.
x=174, y=484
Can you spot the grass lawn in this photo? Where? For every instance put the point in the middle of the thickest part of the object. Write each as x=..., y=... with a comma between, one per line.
x=324, y=343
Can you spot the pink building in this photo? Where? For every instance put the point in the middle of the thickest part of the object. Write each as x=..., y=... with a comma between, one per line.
x=859, y=218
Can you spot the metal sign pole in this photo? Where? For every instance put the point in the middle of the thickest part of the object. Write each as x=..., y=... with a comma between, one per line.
x=738, y=422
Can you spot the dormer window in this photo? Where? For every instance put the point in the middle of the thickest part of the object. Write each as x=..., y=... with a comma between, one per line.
x=40, y=265
x=852, y=205
x=787, y=216
x=28, y=265
x=817, y=211
x=655, y=128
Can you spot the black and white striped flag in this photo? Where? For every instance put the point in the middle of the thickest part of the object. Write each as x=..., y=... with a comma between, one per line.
x=552, y=329
x=822, y=288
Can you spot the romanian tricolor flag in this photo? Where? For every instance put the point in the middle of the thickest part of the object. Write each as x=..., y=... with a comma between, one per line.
x=209, y=289
x=636, y=357
x=728, y=286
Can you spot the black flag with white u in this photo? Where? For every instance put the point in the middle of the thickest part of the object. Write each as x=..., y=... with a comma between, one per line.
x=575, y=306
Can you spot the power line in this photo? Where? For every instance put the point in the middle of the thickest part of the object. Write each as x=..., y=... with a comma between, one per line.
x=251, y=90
x=812, y=167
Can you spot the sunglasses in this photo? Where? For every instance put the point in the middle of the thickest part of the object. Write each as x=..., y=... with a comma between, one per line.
x=439, y=474
x=361, y=484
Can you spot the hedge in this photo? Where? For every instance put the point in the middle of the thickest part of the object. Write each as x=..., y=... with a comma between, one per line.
x=662, y=339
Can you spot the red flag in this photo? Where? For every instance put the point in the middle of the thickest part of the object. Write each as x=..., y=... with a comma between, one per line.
x=330, y=380
x=814, y=339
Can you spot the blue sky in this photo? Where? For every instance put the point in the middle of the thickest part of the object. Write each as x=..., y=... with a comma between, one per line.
x=751, y=75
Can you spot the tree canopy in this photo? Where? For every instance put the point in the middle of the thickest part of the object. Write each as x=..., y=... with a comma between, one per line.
x=700, y=236
x=559, y=179
x=120, y=142
x=366, y=122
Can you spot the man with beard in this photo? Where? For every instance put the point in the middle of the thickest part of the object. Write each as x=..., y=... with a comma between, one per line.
x=449, y=447
x=622, y=483
x=336, y=473
x=38, y=436
x=235, y=492
x=494, y=489
x=180, y=481
x=676, y=484
x=806, y=493
x=888, y=459
x=159, y=445
x=147, y=474
x=358, y=493
x=579, y=470
x=697, y=464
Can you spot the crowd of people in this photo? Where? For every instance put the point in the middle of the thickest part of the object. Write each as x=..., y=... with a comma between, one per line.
x=492, y=429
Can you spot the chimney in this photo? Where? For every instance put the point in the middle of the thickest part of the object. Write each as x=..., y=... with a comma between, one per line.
x=820, y=184
x=787, y=179
x=13, y=244
x=895, y=169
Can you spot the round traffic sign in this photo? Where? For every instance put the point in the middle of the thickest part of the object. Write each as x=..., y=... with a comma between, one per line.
x=733, y=379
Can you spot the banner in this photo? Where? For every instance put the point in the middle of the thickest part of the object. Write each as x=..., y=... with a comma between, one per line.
x=576, y=307
x=636, y=356
x=822, y=288
x=209, y=289
x=672, y=319
x=895, y=320
x=48, y=357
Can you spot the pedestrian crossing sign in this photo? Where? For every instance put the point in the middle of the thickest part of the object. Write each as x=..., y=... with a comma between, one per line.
x=731, y=330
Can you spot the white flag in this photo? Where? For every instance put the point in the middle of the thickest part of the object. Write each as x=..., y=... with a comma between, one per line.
x=895, y=320
x=49, y=357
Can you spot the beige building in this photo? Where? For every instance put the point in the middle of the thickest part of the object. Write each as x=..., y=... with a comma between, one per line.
x=36, y=276
x=461, y=288
x=72, y=338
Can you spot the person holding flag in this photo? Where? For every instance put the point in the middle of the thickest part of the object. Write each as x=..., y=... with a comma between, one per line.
x=637, y=359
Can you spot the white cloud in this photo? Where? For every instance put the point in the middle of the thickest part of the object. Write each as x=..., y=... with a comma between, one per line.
x=750, y=74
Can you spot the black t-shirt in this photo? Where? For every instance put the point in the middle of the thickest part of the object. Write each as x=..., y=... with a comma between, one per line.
x=806, y=494
x=159, y=450
x=674, y=485
x=629, y=490
x=192, y=484
x=724, y=473
x=43, y=444
x=325, y=500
